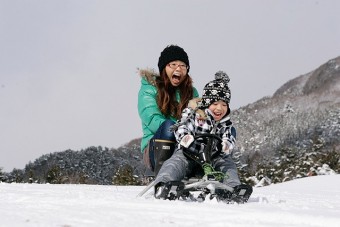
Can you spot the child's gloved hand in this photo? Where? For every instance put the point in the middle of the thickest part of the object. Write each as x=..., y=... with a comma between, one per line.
x=186, y=141
x=227, y=147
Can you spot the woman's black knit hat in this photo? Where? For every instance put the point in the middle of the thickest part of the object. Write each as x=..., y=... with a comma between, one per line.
x=172, y=53
x=216, y=90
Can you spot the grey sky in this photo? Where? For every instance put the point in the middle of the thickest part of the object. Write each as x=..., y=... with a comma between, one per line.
x=68, y=68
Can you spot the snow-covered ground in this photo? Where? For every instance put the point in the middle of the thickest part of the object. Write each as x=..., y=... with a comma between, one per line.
x=313, y=201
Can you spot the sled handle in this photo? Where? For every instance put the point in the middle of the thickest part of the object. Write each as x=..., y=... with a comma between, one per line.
x=207, y=135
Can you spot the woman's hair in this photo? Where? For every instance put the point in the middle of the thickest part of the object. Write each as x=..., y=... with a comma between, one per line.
x=166, y=98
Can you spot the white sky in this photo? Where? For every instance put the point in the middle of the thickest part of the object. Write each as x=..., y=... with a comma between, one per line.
x=68, y=68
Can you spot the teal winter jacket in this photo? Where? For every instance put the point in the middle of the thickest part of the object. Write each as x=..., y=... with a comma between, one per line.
x=148, y=110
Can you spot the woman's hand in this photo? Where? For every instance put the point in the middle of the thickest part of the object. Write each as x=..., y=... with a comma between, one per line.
x=193, y=103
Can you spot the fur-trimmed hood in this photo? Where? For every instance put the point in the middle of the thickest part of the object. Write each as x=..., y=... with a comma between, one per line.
x=149, y=75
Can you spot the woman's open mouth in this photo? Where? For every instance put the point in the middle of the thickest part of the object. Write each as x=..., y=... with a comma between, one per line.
x=176, y=79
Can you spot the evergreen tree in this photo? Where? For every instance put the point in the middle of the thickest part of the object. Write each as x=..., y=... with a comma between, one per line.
x=124, y=176
x=54, y=175
x=2, y=175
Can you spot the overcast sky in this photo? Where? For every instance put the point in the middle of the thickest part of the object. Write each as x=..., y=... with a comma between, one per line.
x=68, y=77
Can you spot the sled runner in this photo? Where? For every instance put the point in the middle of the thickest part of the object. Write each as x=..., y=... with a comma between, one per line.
x=202, y=189
x=210, y=185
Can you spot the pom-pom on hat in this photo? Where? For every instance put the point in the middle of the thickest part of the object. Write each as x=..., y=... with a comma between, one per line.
x=216, y=90
x=172, y=53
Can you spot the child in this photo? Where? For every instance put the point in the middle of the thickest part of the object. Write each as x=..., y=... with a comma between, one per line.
x=209, y=117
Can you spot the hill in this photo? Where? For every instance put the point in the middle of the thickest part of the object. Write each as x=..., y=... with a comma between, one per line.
x=294, y=132
x=93, y=165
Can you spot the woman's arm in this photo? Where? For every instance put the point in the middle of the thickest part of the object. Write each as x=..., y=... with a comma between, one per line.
x=148, y=109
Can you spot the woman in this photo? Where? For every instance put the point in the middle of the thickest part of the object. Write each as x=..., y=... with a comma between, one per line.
x=161, y=99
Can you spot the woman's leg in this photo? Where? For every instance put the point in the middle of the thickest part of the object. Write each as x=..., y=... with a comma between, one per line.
x=164, y=132
x=163, y=138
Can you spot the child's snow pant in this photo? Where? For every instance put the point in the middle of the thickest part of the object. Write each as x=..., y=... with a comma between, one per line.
x=179, y=166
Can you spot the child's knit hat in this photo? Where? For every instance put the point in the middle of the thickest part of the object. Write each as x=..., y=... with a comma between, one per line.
x=172, y=53
x=216, y=90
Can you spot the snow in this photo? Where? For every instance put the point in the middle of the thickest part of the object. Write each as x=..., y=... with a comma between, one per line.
x=312, y=201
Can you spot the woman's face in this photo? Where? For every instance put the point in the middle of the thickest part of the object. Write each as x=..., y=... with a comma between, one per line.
x=176, y=71
x=218, y=109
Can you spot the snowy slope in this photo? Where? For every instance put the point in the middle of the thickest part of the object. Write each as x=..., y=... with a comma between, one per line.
x=313, y=201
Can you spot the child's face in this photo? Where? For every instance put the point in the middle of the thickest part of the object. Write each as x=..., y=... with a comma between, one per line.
x=218, y=109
